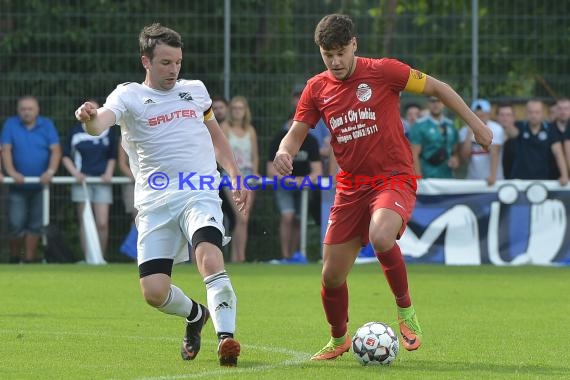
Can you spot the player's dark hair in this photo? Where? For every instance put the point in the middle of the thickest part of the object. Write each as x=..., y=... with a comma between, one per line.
x=334, y=31
x=155, y=34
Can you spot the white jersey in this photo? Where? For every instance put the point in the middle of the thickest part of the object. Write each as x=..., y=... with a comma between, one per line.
x=480, y=163
x=163, y=132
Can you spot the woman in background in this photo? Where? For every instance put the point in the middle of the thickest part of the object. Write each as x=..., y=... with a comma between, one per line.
x=84, y=156
x=243, y=140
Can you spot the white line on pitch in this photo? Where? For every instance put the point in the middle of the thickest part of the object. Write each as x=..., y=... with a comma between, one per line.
x=296, y=357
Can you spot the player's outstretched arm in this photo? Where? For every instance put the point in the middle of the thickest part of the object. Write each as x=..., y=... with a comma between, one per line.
x=289, y=147
x=96, y=120
x=451, y=99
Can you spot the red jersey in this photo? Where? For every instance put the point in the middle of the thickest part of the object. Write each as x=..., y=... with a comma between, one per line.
x=363, y=116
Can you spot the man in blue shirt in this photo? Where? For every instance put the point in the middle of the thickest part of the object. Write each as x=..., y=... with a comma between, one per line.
x=537, y=145
x=30, y=148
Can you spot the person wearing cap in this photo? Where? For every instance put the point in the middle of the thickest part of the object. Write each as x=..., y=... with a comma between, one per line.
x=537, y=145
x=434, y=141
x=483, y=164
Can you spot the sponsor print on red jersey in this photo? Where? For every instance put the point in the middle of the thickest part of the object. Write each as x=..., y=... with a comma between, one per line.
x=363, y=115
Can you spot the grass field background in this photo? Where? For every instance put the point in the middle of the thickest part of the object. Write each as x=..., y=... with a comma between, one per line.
x=84, y=322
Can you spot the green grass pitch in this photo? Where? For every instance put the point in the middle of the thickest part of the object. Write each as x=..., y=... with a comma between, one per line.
x=82, y=322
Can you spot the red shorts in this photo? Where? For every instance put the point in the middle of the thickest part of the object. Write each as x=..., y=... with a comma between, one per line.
x=352, y=211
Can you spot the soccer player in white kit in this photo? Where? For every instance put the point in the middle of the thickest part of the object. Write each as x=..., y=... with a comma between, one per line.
x=173, y=140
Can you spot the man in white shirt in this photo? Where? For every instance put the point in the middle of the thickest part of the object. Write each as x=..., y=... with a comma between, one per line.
x=483, y=164
x=173, y=140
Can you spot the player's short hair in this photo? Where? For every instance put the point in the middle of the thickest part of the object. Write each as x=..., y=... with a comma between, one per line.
x=334, y=31
x=155, y=34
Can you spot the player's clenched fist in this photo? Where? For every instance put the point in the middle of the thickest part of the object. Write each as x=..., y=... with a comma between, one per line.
x=86, y=111
x=283, y=163
x=484, y=137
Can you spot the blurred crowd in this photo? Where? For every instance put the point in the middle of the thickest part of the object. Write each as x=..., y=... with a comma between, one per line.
x=534, y=146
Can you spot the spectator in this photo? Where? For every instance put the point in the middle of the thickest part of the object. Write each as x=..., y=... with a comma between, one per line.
x=506, y=119
x=483, y=164
x=30, y=148
x=128, y=189
x=129, y=245
x=1, y=168
x=553, y=112
x=434, y=143
x=220, y=108
x=305, y=163
x=561, y=131
x=411, y=115
x=92, y=156
x=323, y=136
x=320, y=132
x=536, y=144
x=243, y=141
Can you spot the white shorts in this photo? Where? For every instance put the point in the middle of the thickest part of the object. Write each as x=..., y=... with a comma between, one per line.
x=166, y=227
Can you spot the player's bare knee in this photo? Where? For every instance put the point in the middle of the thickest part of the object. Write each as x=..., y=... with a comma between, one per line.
x=207, y=244
x=155, y=280
x=332, y=282
x=154, y=297
x=332, y=279
x=381, y=241
x=155, y=289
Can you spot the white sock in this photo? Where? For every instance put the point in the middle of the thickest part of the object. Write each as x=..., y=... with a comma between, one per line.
x=222, y=302
x=177, y=303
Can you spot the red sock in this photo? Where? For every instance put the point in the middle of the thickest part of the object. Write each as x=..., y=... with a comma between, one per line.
x=335, y=303
x=394, y=267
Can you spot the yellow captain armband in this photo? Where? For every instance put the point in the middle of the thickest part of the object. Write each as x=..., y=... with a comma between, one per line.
x=209, y=114
x=416, y=82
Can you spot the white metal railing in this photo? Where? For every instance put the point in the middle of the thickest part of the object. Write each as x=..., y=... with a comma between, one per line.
x=123, y=180
x=60, y=180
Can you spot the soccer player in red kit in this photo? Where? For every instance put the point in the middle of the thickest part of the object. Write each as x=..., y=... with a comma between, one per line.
x=358, y=98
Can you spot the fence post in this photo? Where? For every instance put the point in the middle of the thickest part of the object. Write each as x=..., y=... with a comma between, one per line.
x=304, y=216
x=45, y=212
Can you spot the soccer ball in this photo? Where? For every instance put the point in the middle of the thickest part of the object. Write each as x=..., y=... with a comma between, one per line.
x=375, y=343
